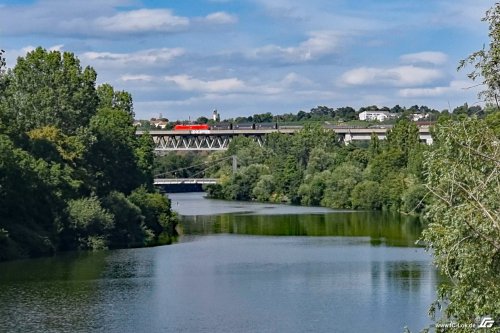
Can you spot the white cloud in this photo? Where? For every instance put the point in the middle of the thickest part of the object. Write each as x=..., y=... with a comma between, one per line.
x=139, y=77
x=222, y=87
x=98, y=18
x=395, y=76
x=296, y=80
x=282, y=57
x=455, y=13
x=320, y=43
x=189, y=83
x=426, y=57
x=220, y=18
x=144, y=57
x=142, y=20
x=454, y=87
x=58, y=47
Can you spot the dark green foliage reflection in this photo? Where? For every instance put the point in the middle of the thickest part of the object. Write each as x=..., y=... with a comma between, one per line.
x=381, y=228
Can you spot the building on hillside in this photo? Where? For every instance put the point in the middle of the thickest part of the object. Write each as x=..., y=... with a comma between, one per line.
x=418, y=116
x=375, y=115
x=159, y=123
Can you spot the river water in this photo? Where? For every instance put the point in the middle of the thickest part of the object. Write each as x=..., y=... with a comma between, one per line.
x=238, y=267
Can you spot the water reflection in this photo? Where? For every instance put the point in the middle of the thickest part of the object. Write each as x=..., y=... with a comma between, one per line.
x=28, y=284
x=72, y=292
x=381, y=228
x=241, y=272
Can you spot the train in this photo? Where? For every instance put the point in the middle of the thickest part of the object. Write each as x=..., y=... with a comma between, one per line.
x=253, y=126
x=224, y=126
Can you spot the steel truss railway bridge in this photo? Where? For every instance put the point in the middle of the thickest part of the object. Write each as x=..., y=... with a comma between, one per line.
x=166, y=141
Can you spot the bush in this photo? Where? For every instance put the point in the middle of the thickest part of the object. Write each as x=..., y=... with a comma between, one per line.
x=128, y=229
x=156, y=209
x=90, y=223
x=366, y=195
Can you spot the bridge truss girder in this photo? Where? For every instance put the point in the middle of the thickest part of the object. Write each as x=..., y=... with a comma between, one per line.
x=164, y=143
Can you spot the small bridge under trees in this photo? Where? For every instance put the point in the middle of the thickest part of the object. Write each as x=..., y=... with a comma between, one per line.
x=170, y=182
x=175, y=181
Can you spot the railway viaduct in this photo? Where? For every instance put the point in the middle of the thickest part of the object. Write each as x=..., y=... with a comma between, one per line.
x=208, y=140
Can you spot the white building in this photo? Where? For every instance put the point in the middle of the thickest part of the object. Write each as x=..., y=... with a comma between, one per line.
x=158, y=123
x=374, y=115
x=418, y=116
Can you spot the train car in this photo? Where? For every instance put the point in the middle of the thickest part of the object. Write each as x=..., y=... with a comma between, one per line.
x=222, y=126
x=266, y=125
x=242, y=126
x=191, y=127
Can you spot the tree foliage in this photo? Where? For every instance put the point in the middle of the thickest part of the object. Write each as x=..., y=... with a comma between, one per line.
x=313, y=168
x=73, y=174
x=463, y=172
x=50, y=88
x=486, y=62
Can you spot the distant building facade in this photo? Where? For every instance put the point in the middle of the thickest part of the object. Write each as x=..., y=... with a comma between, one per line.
x=158, y=123
x=374, y=115
x=418, y=116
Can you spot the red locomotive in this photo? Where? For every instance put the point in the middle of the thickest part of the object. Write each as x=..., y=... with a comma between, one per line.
x=191, y=127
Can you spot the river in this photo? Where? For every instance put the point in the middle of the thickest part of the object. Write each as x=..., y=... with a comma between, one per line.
x=238, y=267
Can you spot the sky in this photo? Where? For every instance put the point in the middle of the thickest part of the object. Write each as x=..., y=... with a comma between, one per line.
x=183, y=58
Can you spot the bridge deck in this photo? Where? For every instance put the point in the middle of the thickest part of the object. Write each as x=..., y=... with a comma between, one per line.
x=219, y=139
x=176, y=181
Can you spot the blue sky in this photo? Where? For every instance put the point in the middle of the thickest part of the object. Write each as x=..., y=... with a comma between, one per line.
x=183, y=58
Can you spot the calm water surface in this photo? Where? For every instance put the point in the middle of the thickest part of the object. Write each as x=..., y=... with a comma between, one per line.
x=239, y=267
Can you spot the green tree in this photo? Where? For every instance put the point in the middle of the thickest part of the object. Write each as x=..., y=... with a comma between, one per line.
x=246, y=150
x=312, y=136
x=159, y=220
x=3, y=82
x=242, y=183
x=404, y=136
x=50, y=88
x=264, y=189
x=202, y=120
x=116, y=100
x=493, y=121
x=112, y=158
x=312, y=190
x=339, y=185
x=29, y=202
x=128, y=229
x=345, y=113
x=375, y=147
x=385, y=163
x=414, y=198
x=463, y=172
x=263, y=117
x=89, y=223
x=486, y=62
x=68, y=158
x=322, y=112
x=367, y=195
x=145, y=156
